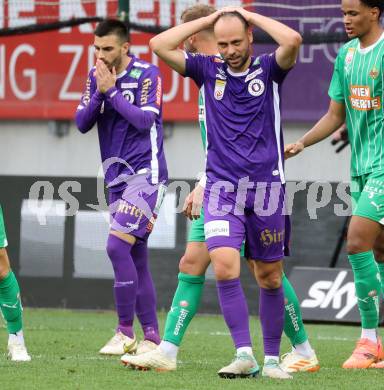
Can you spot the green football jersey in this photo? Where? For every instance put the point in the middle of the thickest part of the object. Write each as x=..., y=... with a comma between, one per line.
x=357, y=81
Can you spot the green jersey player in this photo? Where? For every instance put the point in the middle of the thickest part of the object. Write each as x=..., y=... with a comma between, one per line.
x=196, y=260
x=356, y=93
x=10, y=303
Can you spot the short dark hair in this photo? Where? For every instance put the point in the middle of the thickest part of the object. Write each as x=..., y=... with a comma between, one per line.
x=112, y=26
x=234, y=14
x=374, y=4
x=196, y=12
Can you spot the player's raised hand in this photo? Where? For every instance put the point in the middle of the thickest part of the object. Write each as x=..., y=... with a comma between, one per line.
x=292, y=150
x=105, y=79
x=211, y=19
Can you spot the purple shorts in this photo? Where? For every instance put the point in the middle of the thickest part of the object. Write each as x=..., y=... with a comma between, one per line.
x=258, y=216
x=135, y=208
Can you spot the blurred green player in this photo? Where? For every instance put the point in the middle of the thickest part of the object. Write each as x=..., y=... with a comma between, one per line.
x=196, y=260
x=356, y=93
x=10, y=302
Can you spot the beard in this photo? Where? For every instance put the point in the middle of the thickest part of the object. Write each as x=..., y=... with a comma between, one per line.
x=243, y=59
x=115, y=63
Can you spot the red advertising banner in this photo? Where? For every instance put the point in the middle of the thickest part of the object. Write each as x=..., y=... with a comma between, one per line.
x=43, y=75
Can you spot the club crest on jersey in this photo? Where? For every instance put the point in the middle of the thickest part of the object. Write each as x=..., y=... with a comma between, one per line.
x=374, y=73
x=256, y=87
x=219, y=89
x=128, y=95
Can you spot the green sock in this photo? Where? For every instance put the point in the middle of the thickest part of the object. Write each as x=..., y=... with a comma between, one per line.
x=293, y=323
x=184, y=306
x=368, y=287
x=381, y=270
x=10, y=303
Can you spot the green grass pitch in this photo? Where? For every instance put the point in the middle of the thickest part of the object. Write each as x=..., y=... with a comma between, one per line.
x=64, y=345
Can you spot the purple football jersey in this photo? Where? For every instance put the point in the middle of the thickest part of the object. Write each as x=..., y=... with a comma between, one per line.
x=137, y=149
x=243, y=122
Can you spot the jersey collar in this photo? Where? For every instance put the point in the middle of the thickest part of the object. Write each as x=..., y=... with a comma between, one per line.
x=369, y=48
x=127, y=69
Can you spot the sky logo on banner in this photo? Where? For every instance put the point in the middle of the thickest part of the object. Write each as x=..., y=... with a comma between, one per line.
x=325, y=294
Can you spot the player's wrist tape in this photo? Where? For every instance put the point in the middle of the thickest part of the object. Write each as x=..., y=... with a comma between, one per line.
x=203, y=180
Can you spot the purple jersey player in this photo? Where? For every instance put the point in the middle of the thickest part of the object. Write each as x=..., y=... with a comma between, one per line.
x=123, y=96
x=244, y=196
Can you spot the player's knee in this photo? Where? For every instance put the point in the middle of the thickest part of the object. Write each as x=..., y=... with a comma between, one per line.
x=270, y=279
x=223, y=272
x=114, y=244
x=187, y=264
x=356, y=244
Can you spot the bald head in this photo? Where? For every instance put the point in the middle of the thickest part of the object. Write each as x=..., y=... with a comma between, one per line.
x=230, y=15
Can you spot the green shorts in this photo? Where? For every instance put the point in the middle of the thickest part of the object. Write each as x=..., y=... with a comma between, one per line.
x=196, y=232
x=3, y=237
x=367, y=193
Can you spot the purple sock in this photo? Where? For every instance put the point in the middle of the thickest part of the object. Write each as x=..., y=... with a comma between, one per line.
x=271, y=312
x=146, y=295
x=126, y=330
x=235, y=311
x=125, y=287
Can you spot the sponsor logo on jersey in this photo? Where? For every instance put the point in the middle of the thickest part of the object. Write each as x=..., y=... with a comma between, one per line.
x=87, y=93
x=145, y=91
x=216, y=228
x=349, y=56
x=158, y=91
x=254, y=74
x=135, y=73
x=140, y=65
x=219, y=89
x=221, y=75
x=102, y=108
x=129, y=85
x=361, y=99
x=348, y=60
x=128, y=95
x=127, y=208
x=374, y=73
x=269, y=237
x=256, y=87
x=184, y=303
